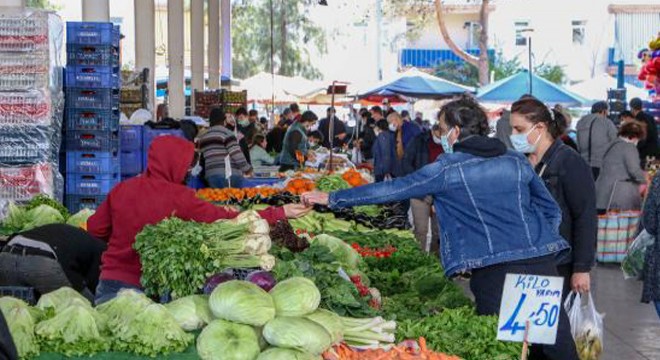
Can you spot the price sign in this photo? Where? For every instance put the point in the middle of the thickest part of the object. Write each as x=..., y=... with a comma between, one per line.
x=533, y=300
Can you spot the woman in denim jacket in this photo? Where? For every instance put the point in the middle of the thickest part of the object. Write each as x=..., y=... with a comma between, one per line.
x=497, y=215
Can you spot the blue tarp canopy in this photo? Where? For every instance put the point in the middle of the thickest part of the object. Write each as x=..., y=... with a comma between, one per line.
x=512, y=88
x=417, y=84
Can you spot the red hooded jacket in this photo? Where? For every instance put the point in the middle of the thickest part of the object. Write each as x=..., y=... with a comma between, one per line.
x=149, y=198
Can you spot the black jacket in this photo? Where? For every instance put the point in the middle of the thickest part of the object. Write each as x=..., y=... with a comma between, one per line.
x=568, y=178
x=339, y=128
x=275, y=139
x=77, y=252
x=648, y=146
x=368, y=137
x=416, y=154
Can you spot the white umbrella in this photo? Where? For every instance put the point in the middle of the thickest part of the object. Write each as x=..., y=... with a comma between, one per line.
x=596, y=88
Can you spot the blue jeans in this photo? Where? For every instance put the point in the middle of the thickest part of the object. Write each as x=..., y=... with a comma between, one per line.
x=657, y=307
x=220, y=182
x=108, y=290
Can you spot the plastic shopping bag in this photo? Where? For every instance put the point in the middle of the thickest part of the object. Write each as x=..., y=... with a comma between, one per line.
x=633, y=263
x=586, y=325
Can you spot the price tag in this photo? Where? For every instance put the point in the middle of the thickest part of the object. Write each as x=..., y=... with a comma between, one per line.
x=534, y=299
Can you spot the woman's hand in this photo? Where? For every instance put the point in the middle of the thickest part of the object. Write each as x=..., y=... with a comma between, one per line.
x=314, y=197
x=581, y=282
x=293, y=211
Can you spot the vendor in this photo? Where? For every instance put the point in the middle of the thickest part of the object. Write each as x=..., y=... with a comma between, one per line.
x=49, y=257
x=258, y=153
x=295, y=140
x=498, y=218
x=157, y=194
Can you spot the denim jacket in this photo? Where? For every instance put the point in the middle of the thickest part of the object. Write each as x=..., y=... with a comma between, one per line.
x=494, y=209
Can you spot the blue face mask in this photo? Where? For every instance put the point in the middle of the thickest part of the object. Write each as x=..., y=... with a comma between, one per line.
x=444, y=141
x=520, y=143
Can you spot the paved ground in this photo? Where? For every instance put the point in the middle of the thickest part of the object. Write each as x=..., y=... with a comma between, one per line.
x=632, y=329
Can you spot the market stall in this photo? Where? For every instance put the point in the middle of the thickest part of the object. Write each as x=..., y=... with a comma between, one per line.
x=331, y=285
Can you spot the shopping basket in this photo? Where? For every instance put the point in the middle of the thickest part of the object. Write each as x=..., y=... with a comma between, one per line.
x=616, y=230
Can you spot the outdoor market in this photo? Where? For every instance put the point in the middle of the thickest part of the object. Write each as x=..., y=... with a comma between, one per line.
x=329, y=180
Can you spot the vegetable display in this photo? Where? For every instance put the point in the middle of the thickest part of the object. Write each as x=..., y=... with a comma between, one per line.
x=226, y=340
x=191, y=312
x=75, y=331
x=330, y=183
x=21, y=321
x=296, y=296
x=242, y=302
x=297, y=333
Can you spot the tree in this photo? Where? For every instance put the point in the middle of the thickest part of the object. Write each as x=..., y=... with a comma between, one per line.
x=552, y=73
x=41, y=4
x=466, y=74
x=294, y=35
x=418, y=12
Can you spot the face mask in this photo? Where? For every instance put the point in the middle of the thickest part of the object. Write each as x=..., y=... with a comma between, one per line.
x=312, y=144
x=520, y=143
x=437, y=140
x=314, y=127
x=393, y=127
x=244, y=123
x=444, y=141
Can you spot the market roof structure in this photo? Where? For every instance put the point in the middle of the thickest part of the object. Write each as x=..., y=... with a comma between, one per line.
x=417, y=84
x=596, y=88
x=510, y=89
x=285, y=90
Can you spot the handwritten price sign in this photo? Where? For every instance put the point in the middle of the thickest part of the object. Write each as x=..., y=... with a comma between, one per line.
x=533, y=300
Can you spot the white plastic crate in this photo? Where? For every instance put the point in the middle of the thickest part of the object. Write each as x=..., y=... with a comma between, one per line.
x=22, y=183
x=21, y=71
x=24, y=32
x=28, y=107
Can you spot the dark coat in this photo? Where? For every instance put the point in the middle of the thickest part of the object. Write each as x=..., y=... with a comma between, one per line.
x=416, y=154
x=651, y=221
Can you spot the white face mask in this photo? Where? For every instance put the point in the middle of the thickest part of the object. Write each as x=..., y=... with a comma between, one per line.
x=437, y=140
x=393, y=127
x=314, y=126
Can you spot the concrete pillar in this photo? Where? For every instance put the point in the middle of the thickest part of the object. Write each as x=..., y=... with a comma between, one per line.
x=175, y=56
x=145, y=43
x=225, y=14
x=12, y=3
x=96, y=10
x=214, y=44
x=196, y=46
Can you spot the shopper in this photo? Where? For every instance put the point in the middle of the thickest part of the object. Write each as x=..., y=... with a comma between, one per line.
x=419, y=119
x=339, y=130
x=156, y=195
x=275, y=137
x=421, y=151
x=405, y=130
x=315, y=139
x=651, y=222
x=295, y=142
x=595, y=133
x=503, y=129
x=218, y=143
x=621, y=178
x=49, y=257
x=383, y=150
x=258, y=153
x=367, y=134
x=569, y=136
x=487, y=231
x=649, y=146
x=537, y=131
x=295, y=112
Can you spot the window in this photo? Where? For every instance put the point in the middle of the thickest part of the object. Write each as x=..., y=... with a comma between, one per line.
x=521, y=36
x=579, y=31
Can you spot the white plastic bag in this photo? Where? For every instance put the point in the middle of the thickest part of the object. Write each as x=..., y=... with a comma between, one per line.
x=586, y=325
x=633, y=263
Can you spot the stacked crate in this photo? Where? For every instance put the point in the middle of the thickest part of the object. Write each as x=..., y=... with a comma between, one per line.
x=229, y=100
x=134, y=92
x=92, y=85
x=30, y=106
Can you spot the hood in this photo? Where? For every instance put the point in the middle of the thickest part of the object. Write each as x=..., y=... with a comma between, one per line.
x=169, y=159
x=481, y=146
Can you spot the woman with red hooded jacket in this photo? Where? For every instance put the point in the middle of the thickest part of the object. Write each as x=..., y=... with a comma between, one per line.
x=148, y=199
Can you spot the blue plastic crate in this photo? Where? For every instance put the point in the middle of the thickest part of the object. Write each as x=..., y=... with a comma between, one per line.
x=130, y=137
x=85, y=98
x=92, y=141
x=76, y=203
x=90, y=184
x=90, y=162
x=92, y=55
x=92, y=33
x=92, y=119
x=131, y=162
x=96, y=77
x=25, y=144
x=19, y=292
x=149, y=134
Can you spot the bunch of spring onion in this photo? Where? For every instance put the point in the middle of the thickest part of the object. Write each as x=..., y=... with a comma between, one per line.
x=368, y=333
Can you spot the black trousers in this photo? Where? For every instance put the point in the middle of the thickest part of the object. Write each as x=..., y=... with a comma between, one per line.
x=595, y=171
x=487, y=285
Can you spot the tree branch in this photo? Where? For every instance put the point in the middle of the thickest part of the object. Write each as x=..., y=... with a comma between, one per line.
x=472, y=60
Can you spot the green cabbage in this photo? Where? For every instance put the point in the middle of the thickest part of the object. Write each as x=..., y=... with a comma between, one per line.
x=79, y=219
x=242, y=302
x=21, y=322
x=330, y=321
x=16, y=217
x=297, y=296
x=297, y=333
x=42, y=215
x=8, y=303
x=345, y=254
x=286, y=354
x=191, y=312
x=124, y=307
x=226, y=340
x=74, y=331
x=152, y=332
x=56, y=301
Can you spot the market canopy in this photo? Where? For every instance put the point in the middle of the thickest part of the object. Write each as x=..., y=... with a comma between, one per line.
x=285, y=90
x=595, y=89
x=417, y=84
x=510, y=89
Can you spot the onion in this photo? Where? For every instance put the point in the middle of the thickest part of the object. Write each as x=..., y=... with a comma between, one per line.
x=215, y=280
x=263, y=279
